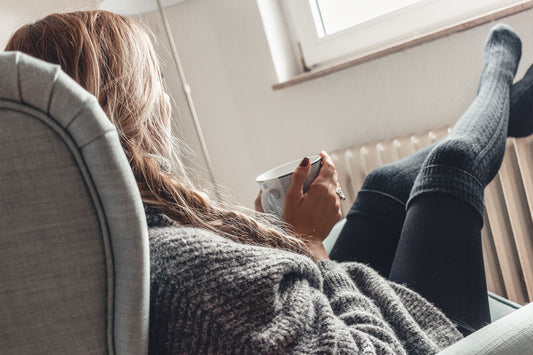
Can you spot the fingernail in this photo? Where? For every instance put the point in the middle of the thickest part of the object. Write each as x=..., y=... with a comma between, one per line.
x=304, y=162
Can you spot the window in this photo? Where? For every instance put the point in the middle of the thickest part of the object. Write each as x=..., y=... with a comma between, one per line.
x=324, y=31
x=334, y=16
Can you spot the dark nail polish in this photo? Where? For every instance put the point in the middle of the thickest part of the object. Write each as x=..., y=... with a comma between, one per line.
x=304, y=162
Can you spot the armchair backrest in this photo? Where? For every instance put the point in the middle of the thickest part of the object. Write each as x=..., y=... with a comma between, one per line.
x=74, y=260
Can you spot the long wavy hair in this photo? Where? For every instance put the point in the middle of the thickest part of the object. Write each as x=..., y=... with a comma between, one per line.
x=113, y=58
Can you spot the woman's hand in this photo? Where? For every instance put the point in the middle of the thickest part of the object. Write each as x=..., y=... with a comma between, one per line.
x=315, y=212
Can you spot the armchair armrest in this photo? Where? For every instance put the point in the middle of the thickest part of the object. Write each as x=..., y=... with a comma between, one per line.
x=330, y=240
x=512, y=334
x=500, y=307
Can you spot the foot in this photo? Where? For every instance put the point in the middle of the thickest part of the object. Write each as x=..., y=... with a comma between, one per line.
x=502, y=52
x=521, y=113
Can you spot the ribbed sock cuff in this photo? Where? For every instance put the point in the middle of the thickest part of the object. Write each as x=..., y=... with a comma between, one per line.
x=449, y=181
x=386, y=208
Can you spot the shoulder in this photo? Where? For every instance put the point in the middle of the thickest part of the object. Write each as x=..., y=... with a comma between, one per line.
x=173, y=246
x=195, y=251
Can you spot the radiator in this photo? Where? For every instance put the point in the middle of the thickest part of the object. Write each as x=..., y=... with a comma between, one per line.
x=507, y=234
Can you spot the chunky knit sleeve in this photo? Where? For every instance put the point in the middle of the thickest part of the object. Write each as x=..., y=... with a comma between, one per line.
x=212, y=295
x=420, y=326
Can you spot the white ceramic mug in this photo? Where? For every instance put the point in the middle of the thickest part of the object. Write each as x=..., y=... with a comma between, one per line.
x=275, y=182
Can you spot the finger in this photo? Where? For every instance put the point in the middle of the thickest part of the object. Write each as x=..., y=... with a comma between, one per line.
x=328, y=167
x=298, y=178
x=327, y=172
x=257, y=203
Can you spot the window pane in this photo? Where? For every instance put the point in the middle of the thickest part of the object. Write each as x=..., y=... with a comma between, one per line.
x=332, y=16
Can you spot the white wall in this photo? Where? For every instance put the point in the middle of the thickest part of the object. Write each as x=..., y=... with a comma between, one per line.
x=250, y=128
x=15, y=13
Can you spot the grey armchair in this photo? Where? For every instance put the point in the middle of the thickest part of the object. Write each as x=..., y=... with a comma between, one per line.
x=74, y=259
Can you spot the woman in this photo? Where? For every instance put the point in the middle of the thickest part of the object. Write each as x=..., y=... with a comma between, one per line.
x=226, y=281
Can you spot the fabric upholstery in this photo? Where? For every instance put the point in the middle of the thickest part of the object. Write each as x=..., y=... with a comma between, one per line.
x=74, y=261
x=512, y=334
x=500, y=307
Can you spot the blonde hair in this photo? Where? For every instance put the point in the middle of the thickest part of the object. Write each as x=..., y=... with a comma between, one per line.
x=113, y=58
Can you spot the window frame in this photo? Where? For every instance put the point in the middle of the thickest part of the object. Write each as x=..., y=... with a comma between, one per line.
x=381, y=32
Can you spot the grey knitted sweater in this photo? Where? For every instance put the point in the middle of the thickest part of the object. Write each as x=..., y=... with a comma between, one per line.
x=212, y=295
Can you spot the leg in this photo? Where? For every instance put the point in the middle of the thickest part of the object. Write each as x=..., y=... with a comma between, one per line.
x=463, y=163
x=373, y=224
x=521, y=114
x=439, y=252
x=375, y=220
x=440, y=257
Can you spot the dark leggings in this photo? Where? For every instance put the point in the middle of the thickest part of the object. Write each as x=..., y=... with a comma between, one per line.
x=437, y=252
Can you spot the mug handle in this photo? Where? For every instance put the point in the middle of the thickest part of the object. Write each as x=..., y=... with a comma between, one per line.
x=272, y=198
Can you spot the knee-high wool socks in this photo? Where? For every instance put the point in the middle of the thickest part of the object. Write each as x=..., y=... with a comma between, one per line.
x=464, y=162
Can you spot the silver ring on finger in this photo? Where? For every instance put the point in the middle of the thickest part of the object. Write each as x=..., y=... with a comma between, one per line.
x=339, y=192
